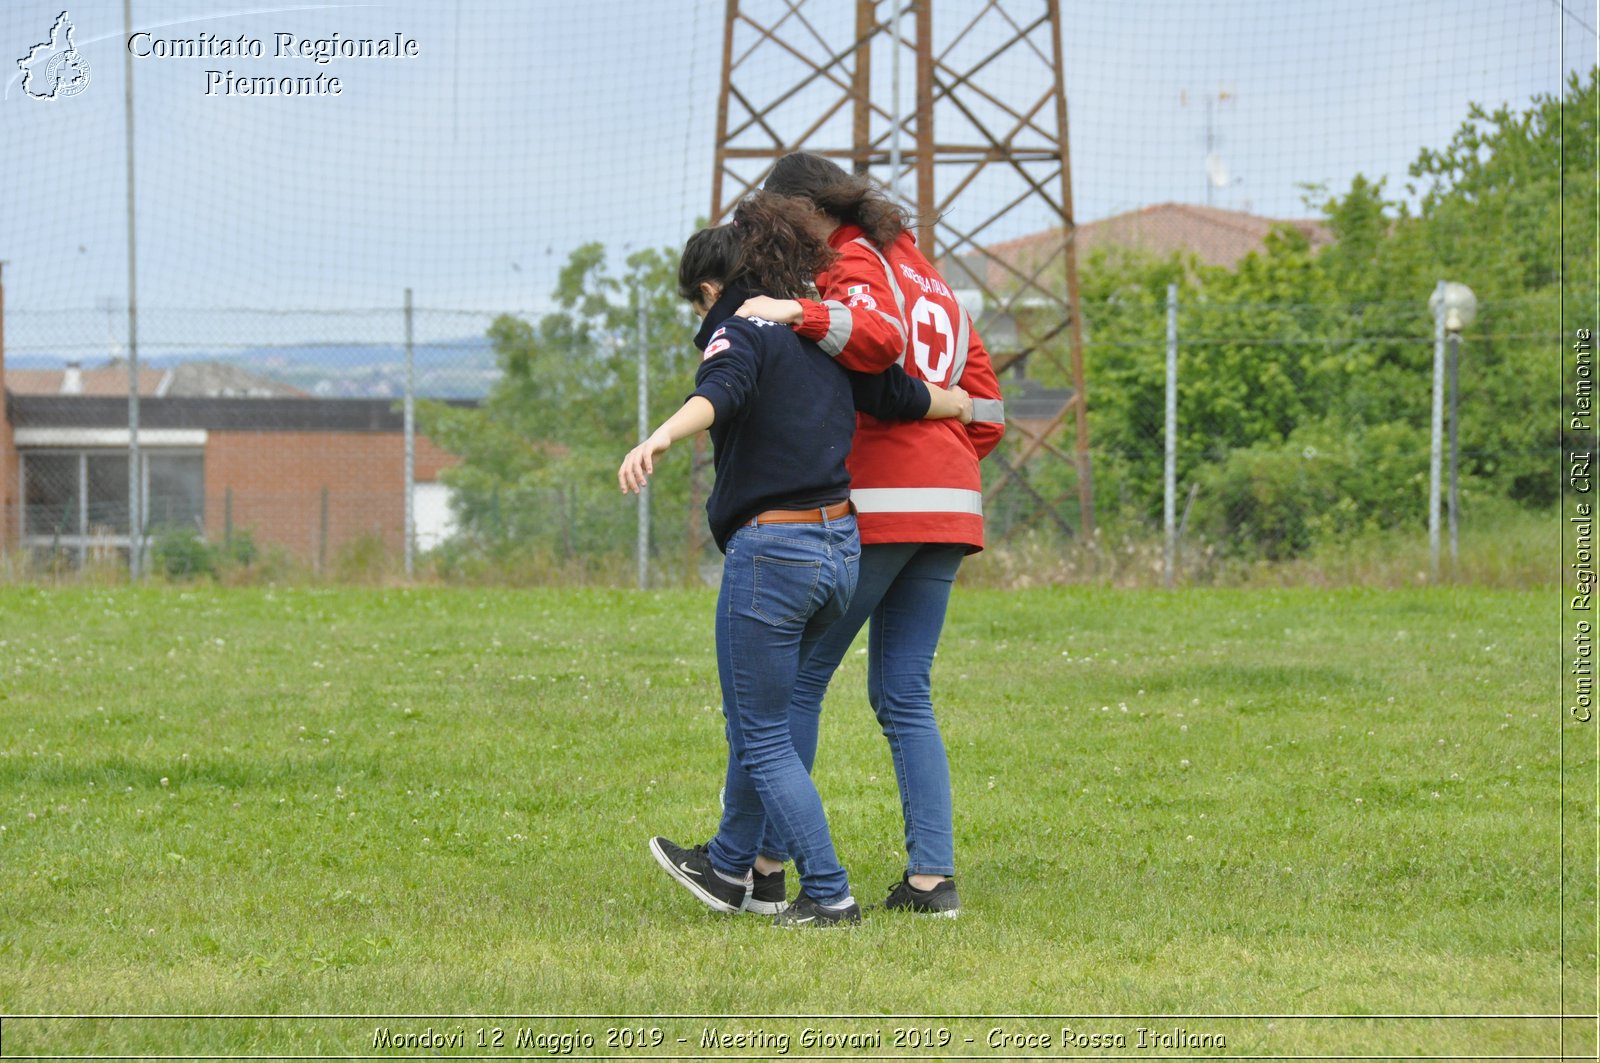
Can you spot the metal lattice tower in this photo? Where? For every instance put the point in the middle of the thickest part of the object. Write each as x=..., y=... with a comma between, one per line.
x=980, y=156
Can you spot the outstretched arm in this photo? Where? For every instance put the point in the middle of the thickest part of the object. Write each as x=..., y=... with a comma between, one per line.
x=696, y=415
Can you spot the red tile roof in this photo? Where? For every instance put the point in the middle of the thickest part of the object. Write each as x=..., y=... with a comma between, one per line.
x=102, y=381
x=206, y=379
x=1215, y=236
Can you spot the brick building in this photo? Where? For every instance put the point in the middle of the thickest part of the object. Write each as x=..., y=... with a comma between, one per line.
x=308, y=475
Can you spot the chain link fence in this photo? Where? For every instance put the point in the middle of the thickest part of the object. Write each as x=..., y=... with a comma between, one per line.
x=273, y=444
x=1300, y=439
x=1303, y=174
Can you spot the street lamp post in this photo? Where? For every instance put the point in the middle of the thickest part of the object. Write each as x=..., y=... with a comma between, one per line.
x=1453, y=307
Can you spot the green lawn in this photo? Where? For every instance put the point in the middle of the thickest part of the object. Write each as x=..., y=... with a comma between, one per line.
x=436, y=802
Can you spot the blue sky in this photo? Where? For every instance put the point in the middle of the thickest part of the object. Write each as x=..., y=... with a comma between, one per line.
x=525, y=128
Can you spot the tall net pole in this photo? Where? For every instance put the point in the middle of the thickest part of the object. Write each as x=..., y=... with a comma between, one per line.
x=642, y=543
x=410, y=428
x=135, y=480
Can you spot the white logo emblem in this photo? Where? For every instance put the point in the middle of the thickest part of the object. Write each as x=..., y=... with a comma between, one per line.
x=54, y=67
x=929, y=313
x=859, y=297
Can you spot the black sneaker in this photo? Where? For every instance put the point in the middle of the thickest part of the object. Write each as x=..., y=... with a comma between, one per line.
x=692, y=867
x=807, y=912
x=768, y=897
x=941, y=900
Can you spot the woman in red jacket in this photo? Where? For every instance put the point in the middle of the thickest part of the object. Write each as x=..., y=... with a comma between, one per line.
x=917, y=494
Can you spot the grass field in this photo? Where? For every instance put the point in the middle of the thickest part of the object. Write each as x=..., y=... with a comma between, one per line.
x=435, y=802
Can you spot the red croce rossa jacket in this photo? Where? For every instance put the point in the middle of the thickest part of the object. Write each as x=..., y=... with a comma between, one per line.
x=911, y=481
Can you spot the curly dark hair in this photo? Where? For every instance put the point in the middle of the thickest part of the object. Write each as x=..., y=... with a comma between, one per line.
x=771, y=247
x=712, y=254
x=852, y=198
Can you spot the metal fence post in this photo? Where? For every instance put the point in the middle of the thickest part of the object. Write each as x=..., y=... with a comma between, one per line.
x=642, y=548
x=135, y=480
x=411, y=445
x=1169, y=487
x=1436, y=445
x=322, y=534
x=1454, y=494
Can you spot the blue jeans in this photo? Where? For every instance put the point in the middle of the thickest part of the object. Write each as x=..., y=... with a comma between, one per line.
x=783, y=585
x=904, y=590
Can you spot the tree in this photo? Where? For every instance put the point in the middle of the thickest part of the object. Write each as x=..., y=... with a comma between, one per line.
x=1305, y=378
x=537, y=478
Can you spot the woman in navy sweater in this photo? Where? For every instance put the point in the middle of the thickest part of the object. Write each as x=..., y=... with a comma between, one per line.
x=781, y=415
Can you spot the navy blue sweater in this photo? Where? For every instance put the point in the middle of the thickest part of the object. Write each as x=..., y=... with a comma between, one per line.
x=785, y=415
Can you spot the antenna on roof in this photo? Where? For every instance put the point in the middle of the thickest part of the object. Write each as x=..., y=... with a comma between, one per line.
x=107, y=305
x=1216, y=169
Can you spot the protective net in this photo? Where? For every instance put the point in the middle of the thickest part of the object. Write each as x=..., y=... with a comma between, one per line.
x=334, y=206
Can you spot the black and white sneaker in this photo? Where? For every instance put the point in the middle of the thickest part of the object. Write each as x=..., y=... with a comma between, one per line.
x=941, y=900
x=805, y=912
x=768, y=896
x=692, y=867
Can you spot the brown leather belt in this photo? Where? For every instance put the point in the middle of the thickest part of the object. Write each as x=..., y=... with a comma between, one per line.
x=805, y=516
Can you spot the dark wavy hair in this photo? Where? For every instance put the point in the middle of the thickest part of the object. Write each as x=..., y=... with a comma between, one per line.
x=854, y=199
x=770, y=247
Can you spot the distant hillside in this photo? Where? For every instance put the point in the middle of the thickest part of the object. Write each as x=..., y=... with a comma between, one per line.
x=461, y=368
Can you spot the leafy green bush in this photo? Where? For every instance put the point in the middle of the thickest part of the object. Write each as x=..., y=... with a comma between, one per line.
x=181, y=553
x=1326, y=483
x=240, y=551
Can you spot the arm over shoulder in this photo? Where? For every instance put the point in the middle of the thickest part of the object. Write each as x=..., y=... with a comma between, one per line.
x=860, y=319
